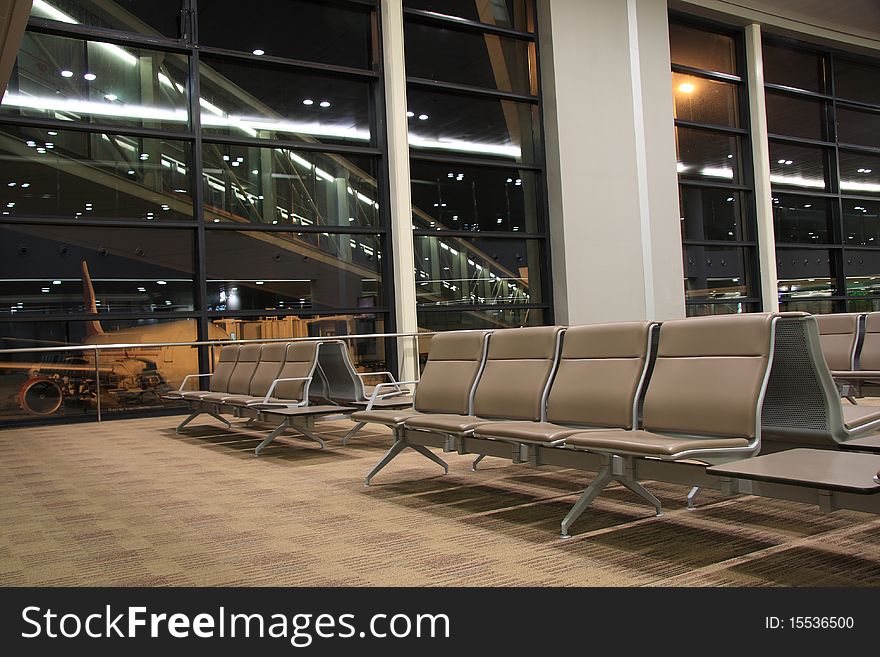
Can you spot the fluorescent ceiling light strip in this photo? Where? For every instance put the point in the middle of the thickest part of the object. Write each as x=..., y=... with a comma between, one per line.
x=797, y=181
x=48, y=11
x=464, y=146
x=90, y=107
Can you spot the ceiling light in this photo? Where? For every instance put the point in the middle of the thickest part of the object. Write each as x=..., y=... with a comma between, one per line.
x=56, y=282
x=66, y=74
x=45, y=289
x=25, y=185
x=145, y=156
x=259, y=52
x=308, y=101
x=89, y=76
x=789, y=162
x=131, y=172
x=409, y=115
x=255, y=171
x=142, y=289
x=12, y=184
x=686, y=87
x=324, y=103
x=259, y=282
x=161, y=283
x=808, y=205
x=52, y=132
x=111, y=97
x=780, y=161
x=216, y=221
x=423, y=117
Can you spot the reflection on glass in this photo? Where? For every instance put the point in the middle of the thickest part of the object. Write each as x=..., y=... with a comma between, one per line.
x=481, y=60
x=454, y=320
x=716, y=273
x=473, y=126
x=367, y=354
x=705, y=101
x=456, y=197
x=805, y=167
x=313, y=31
x=91, y=81
x=280, y=186
x=794, y=68
x=141, y=16
x=859, y=173
x=710, y=156
x=796, y=117
x=862, y=273
x=86, y=175
x=856, y=81
x=268, y=102
x=704, y=309
x=858, y=127
x=802, y=219
x=46, y=384
x=805, y=273
x=711, y=214
x=700, y=48
x=289, y=271
x=452, y=270
x=513, y=14
x=45, y=269
x=813, y=306
x=861, y=222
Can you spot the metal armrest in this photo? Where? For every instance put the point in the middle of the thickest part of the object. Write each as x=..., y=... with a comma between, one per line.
x=191, y=376
x=396, y=385
x=388, y=374
x=305, y=395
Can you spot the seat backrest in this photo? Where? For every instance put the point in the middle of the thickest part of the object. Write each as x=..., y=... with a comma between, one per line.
x=300, y=361
x=600, y=375
x=340, y=376
x=869, y=356
x=709, y=376
x=455, y=361
x=518, y=370
x=224, y=368
x=248, y=359
x=271, y=360
x=838, y=334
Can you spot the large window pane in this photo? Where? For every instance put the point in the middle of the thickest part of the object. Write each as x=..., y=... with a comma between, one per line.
x=452, y=270
x=42, y=269
x=481, y=60
x=796, y=117
x=705, y=101
x=805, y=273
x=803, y=219
x=794, y=68
x=466, y=125
x=804, y=167
x=862, y=273
x=66, y=384
x=716, y=273
x=698, y=48
x=856, y=81
x=859, y=173
x=490, y=318
x=142, y=16
x=858, y=127
x=513, y=14
x=712, y=214
x=280, y=186
x=814, y=306
x=94, y=176
x=243, y=100
x=314, y=31
x=706, y=155
x=861, y=222
x=250, y=270
x=91, y=81
x=457, y=197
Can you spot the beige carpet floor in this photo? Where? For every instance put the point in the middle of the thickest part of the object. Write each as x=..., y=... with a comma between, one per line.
x=129, y=503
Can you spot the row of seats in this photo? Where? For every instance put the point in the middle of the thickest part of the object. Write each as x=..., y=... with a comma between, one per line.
x=694, y=389
x=851, y=347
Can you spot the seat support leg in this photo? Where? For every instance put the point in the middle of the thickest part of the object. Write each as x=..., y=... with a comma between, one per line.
x=357, y=427
x=428, y=454
x=477, y=462
x=692, y=496
x=601, y=481
x=272, y=436
x=192, y=416
x=400, y=443
x=308, y=434
x=644, y=493
x=219, y=417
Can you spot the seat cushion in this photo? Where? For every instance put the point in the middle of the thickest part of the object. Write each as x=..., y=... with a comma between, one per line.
x=533, y=432
x=214, y=397
x=858, y=416
x=645, y=443
x=388, y=417
x=445, y=423
x=195, y=395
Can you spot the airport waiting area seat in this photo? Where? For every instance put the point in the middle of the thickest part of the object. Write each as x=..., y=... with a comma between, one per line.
x=864, y=371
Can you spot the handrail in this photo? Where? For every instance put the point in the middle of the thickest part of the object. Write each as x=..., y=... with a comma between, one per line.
x=208, y=343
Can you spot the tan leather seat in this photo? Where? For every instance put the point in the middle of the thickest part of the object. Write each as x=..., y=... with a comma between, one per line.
x=518, y=368
x=300, y=359
x=704, y=391
x=219, y=380
x=857, y=416
x=596, y=385
x=240, y=379
x=446, y=386
x=838, y=334
x=271, y=361
x=869, y=355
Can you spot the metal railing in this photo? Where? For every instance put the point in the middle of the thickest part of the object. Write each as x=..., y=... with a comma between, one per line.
x=96, y=349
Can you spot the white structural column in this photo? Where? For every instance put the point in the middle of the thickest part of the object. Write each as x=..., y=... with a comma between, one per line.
x=761, y=164
x=400, y=212
x=614, y=218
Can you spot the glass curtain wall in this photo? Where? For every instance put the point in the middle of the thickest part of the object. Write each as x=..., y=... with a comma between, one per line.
x=716, y=183
x=823, y=116
x=175, y=170
x=477, y=164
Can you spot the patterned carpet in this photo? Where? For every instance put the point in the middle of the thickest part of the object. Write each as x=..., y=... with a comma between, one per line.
x=130, y=503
